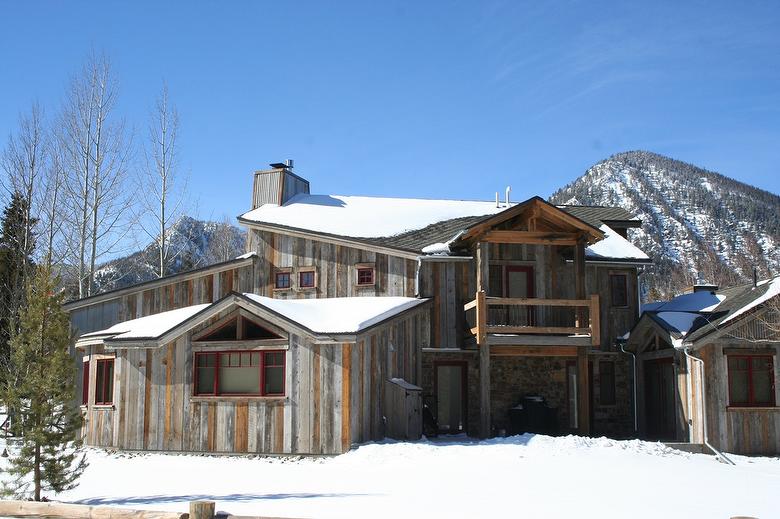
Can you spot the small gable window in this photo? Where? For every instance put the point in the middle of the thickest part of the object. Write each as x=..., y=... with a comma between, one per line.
x=365, y=275
x=238, y=328
x=306, y=279
x=104, y=382
x=618, y=290
x=240, y=373
x=751, y=380
x=282, y=281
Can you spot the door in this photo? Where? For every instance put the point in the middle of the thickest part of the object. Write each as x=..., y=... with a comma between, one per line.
x=659, y=399
x=450, y=382
x=519, y=283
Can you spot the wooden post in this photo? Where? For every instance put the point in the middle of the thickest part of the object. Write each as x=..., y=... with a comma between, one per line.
x=579, y=278
x=595, y=321
x=484, y=390
x=483, y=266
x=481, y=318
x=202, y=509
x=583, y=391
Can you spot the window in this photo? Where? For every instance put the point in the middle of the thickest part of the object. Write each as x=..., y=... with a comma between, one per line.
x=751, y=380
x=607, y=382
x=256, y=373
x=365, y=276
x=85, y=383
x=104, y=382
x=306, y=279
x=282, y=281
x=618, y=290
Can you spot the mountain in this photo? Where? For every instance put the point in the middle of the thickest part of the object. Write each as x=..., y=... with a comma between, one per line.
x=696, y=225
x=193, y=244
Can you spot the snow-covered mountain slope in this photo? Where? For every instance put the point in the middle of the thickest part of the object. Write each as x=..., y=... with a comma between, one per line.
x=696, y=224
x=193, y=244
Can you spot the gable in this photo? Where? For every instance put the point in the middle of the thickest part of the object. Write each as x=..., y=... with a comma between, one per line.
x=239, y=325
x=533, y=222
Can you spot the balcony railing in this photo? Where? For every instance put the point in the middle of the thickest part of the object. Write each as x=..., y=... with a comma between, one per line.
x=587, y=326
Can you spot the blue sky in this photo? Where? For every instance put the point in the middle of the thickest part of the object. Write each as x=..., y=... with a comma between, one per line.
x=425, y=99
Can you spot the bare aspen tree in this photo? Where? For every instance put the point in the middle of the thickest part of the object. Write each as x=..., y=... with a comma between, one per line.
x=224, y=243
x=161, y=181
x=96, y=153
x=49, y=207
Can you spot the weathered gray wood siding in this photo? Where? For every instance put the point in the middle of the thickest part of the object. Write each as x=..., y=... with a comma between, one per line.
x=334, y=395
x=742, y=430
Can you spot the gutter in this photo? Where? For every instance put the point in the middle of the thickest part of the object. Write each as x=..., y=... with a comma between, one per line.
x=718, y=455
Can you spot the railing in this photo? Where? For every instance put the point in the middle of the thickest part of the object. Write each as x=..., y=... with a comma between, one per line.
x=483, y=328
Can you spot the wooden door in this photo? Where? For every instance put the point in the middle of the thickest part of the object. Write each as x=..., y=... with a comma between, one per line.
x=450, y=385
x=659, y=399
x=519, y=283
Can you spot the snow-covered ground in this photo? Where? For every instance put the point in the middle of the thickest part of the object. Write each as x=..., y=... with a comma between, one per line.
x=522, y=476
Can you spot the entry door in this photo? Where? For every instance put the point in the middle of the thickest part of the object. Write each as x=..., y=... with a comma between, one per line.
x=659, y=399
x=519, y=283
x=451, y=398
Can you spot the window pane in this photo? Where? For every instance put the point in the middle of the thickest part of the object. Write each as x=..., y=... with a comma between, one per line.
x=205, y=381
x=619, y=290
x=256, y=358
x=762, y=387
x=282, y=280
x=239, y=380
x=738, y=387
x=99, y=378
x=306, y=279
x=108, y=395
x=206, y=360
x=274, y=380
x=85, y=383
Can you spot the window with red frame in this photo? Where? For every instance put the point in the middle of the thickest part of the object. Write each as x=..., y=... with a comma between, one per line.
x=365, y=276
x=85, y=383
x=282, y=280
x=751, y=380
x=306, y=279
x=252, y=373
x=104, y=382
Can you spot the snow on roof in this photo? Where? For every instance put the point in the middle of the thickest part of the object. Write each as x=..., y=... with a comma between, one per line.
x=703, y=301
x=614, y=246
x=772, y=290
x=364, y=216
x=681, y=322
x=329, y=315
x=338, y=314
x=151, y=326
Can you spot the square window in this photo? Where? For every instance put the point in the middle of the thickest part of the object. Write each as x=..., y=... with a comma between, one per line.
x=306, y=279
x=246, y=373
x=751, y=380
x=365, y=276
x=282, y=280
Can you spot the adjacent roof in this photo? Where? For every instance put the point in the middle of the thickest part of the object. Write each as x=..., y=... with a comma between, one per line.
x=341, y=315
x=423, y=226
x=689, y=318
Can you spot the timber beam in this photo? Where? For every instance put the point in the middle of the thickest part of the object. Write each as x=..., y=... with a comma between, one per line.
x=531, y=237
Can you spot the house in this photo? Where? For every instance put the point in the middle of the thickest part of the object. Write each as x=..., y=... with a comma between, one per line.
x=497, y=301
x=707, y=368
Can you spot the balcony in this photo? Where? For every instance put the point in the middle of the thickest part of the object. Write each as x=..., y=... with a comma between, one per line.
x=516, y=321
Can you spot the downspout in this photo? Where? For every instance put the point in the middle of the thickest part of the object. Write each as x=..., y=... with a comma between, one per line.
x=719, y=455
x=417, y=277
x=636, y=416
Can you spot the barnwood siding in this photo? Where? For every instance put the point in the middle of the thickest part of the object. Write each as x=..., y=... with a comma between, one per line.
x=742, y=430
x=334, y=397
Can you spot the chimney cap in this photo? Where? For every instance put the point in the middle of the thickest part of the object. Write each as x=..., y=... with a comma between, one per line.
x=287, y=164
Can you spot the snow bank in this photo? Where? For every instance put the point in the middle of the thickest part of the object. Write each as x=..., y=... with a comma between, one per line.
x=521, y=476
x=364, y=216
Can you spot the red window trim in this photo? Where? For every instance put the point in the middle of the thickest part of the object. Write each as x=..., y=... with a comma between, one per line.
x=100, y=392
x=85, y=383
x=751, y=396
x=313, y=279
x=371, y=270
x=261, y=367
x=289, y=280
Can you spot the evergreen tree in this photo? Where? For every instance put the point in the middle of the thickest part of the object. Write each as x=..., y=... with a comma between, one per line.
x=42, y=398
x=16, y=247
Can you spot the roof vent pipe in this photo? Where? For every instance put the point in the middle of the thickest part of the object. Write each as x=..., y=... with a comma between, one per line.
x=289, y=163
x=508, y=189
x=497, y=205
